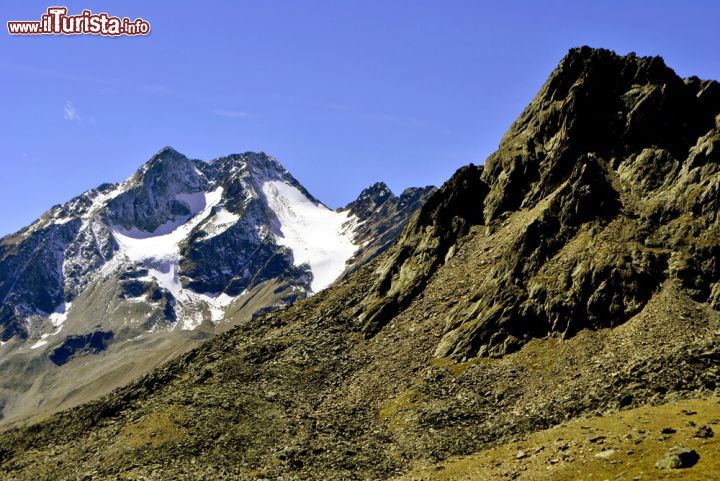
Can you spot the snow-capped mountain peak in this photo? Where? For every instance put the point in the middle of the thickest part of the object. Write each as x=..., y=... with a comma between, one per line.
x=175, y=238
x=171, y=249
x=179, y=233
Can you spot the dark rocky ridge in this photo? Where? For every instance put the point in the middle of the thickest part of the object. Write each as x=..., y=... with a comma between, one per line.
x=588, y=273
x=382, y=217
x=602, y=124
x=151, y=202
x=25, y=265
x=422, y=247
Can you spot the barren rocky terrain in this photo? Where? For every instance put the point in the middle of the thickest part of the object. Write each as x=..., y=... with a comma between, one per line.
x=557, y=303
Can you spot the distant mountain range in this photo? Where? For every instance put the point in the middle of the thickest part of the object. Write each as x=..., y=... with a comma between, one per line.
x=172, y=249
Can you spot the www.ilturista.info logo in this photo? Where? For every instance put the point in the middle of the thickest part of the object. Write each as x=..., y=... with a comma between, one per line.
x=57, y=22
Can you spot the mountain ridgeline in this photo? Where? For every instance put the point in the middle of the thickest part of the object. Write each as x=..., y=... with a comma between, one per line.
x=575, y=273
x=160, y=259
x=616, y=160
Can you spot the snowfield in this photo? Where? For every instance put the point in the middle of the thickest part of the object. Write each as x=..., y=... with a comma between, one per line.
x=220, y=222
x=58, y=317
x=317, y=236
x=159, y=251
x=42, y=342
x=164, y=243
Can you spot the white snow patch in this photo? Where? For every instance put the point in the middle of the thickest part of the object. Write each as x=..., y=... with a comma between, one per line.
x=317, y=236
x=42, y=342
x=136, y=300
x=159, y=251
x=166, y=273
x=223, y=217
x=217, y=304
x=62, y=220
x=199, y=200
x=163, y=243
x=58, y=317
x=189, y=307
x=220, y=222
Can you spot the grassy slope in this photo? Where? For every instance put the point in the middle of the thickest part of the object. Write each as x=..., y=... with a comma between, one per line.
x=568, y=452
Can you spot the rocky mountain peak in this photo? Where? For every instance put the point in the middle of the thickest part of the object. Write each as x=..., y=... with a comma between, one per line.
x=586, y=64
x=243, y=175
x=152, y=196
x=614, y=151
x=167, y=152
x=596, y=101
x=378, y=189
x=166, y=161
x=259, y=163
x=370, y=199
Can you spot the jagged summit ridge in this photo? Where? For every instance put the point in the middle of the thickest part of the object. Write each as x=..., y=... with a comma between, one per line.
x=180, y=210
x=596, y=101
x=613, y=151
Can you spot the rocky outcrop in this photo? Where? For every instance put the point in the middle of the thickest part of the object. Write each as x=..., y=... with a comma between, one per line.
x=613, y=151
x=31, y=276
x=428, y=237
x=72, y=346
x=152, y=197
x=381, y=217
x=678, y=457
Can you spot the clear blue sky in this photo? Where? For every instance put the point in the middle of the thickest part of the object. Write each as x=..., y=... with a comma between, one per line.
x=344, y=93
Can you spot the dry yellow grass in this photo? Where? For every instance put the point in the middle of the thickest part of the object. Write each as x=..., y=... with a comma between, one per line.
x=568, y=452
x=154, y=429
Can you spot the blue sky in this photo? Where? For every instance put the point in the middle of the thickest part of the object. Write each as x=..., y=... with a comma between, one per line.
x=343, y=93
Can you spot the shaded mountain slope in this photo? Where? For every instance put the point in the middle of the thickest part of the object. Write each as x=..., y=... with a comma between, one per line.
x=574, y=274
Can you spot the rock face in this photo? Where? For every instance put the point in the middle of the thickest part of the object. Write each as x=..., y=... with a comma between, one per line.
x=423, y=246
x=382, y=217
x=173, y=248
x=152, y=196
x=581, y=257
x=615, y=165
